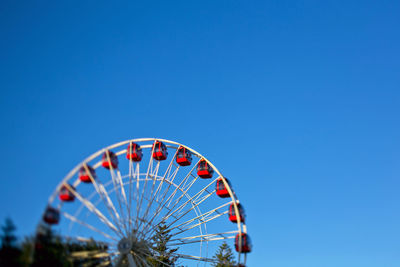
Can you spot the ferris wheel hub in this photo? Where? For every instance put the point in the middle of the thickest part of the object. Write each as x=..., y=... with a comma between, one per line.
x=124, y=245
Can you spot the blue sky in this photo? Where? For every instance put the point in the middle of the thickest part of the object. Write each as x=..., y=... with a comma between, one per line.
x=297, y=102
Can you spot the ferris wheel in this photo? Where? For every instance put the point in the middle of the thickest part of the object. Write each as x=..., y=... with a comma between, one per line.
x=127, y=194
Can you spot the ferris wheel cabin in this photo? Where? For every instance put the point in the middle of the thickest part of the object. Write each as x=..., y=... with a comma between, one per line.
x=159, y=151
x=66, y=194
x=85, y=172
x=220, y=189
x=109, y=159
x=51, y=216
x=184, y=156
x=134, y=152
x=232, y=213
x=204, y=170
x=245, y=242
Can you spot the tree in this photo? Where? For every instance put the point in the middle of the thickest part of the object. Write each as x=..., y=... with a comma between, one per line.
x=224, y=256
x=49, y=249
x=161, y=252
x=9, y=252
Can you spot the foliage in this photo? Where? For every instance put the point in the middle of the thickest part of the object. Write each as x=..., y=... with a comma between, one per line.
x=8, y=238
x=224, y=256
x=9, y=252
x=50, y=249
x=161, y=252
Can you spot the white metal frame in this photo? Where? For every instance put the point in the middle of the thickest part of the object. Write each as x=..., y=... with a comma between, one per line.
x=123, y=218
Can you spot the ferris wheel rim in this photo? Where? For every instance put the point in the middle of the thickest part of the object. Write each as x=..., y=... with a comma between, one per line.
x=234, y=200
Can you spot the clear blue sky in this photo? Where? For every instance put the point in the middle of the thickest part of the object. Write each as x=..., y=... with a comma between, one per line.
x=297, y=102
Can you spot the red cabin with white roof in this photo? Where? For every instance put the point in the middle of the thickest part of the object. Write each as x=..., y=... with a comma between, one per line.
x=243, y=243
x=159, y=151
x=232, y=213
x=110, y=160
x=134, y=152
x=204, y=170
x=220, y=189
x=51, y=216
x=85, y=172
x=183, y=156
x=65, y=193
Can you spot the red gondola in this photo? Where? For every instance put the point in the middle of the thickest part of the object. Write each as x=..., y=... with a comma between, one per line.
x=51, y=216
x=134, y=152
x=245, y=242
x=232, y=213
x=85, y=172
x=66, y=194
x=159, y=151
x=204, y=170
x=184, y=156
x=110, y=158
x=220, y=188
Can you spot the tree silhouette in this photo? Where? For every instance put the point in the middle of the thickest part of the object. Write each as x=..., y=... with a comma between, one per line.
x=224, y=256
x=161, y=252
x=50, y=249
x=9, y=252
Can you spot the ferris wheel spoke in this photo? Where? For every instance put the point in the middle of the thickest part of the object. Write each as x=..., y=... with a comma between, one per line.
x=159, y=185
x=200, y=223
x=202, y=238
x=145, y=183
x=89, y=205
x=140, y=219
x=131, y=175
x=122, y=188
x=170, y=177
x=74, y=219
x=131, y=261
x=124, y=200
x=105, y=198
x=144, y=261
x=147, y=227
x=154, y=178
x=137, y=192
x=164, y=203
x=154, y=258
x=186, y=212
x=167, y=173
x=196, y=258
x=203, y=216
x=170, y=197
x=183, y=194
x=177, y=188
x=116, y=183
x=183, y=184
x=99, y=188
x=170, y=182
x=153, y=228
x=191, y=199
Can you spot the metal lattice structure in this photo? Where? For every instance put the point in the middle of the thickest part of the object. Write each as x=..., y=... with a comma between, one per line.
x=121, y=199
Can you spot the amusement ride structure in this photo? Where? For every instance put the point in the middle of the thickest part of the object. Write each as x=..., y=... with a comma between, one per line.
x=122, y=195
